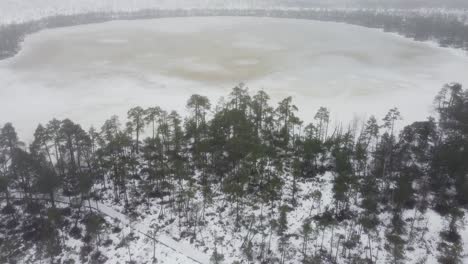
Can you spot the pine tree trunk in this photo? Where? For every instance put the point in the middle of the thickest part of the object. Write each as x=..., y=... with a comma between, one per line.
x=52, y=199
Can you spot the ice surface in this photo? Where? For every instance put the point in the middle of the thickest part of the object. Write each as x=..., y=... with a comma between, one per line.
x=88, y=73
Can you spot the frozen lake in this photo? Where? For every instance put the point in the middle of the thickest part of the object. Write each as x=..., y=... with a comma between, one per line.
x=88, y=73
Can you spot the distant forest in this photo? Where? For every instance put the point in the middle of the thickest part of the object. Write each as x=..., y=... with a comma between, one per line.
x=250, y=156
x=400, y=4
x=448, y=29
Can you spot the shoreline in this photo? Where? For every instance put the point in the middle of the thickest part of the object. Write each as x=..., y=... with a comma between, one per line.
x=15, y=34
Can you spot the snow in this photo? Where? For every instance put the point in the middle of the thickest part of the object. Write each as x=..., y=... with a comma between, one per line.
x=89, y=73
x=180, y=247
x=169, y=250
x=229, y=239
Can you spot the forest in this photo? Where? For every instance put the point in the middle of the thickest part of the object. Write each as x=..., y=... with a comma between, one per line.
x=249, y=164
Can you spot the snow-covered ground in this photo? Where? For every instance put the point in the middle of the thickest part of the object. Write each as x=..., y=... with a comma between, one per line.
x=88, y=73
x=217, y=230
x=140, y=236
x=314, y=198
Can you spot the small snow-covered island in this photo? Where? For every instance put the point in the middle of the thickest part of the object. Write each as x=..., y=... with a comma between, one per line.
x=234, y=132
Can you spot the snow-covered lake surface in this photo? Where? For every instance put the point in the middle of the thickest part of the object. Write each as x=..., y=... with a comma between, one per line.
x=88, y=73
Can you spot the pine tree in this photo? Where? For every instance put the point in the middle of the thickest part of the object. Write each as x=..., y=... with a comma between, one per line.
x=323, y=118
x=136, y=116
